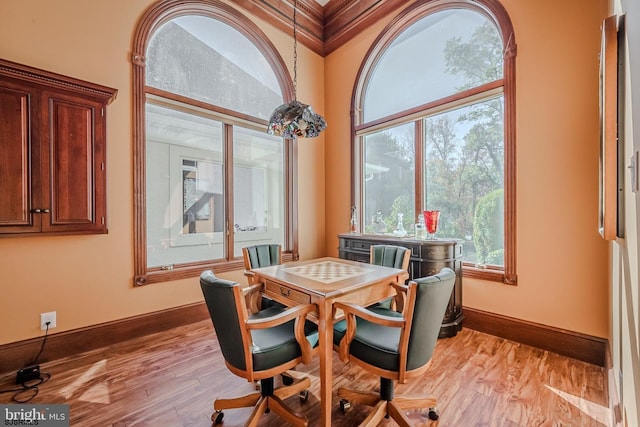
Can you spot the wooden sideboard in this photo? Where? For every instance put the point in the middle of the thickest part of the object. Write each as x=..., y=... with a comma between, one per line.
x=428, y=257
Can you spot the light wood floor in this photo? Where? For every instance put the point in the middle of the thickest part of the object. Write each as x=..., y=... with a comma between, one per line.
x=171, y=379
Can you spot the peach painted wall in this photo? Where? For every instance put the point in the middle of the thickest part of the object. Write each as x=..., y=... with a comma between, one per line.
x=562, y=262
x=87, y=280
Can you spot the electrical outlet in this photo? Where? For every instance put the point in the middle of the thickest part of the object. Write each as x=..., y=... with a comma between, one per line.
x=48, y=317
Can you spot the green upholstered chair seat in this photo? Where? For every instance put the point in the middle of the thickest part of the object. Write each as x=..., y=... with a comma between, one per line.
x=373, y=344
x=276, y=346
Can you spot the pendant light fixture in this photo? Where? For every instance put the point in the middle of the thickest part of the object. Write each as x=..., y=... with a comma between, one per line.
x=295, y=119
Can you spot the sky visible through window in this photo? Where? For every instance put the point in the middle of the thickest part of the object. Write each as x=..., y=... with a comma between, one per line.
x=418, y=52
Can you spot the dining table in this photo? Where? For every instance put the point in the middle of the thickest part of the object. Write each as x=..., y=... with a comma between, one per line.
x=324, y=281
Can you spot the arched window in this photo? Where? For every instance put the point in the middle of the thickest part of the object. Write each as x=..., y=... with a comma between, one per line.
x=209, y=180
x=434, y=128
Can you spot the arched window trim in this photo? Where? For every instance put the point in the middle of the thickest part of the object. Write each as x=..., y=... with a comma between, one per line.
x=152, y=19
x=495, y=12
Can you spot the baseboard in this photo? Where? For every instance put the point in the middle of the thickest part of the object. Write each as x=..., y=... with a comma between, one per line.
x=566, y=343
x=16, y=355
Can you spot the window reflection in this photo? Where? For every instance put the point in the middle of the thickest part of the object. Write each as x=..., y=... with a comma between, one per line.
x=205, y=59
x=185, y=191
x=389, y=182
x=202, y=208
x=464, y=177
x=259, y=193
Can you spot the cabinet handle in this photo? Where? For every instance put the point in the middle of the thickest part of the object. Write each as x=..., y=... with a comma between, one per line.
x=36, y=210
x=285, y=292
x=45, y=211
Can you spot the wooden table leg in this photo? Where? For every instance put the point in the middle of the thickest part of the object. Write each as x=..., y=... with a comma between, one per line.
x=325, y=330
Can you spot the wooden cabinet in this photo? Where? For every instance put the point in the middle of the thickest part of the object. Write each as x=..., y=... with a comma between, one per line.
x=428, y=257
x=52, y=153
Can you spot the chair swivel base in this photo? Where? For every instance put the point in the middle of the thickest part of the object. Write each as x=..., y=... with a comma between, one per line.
x=268, y=399
x=394, y=408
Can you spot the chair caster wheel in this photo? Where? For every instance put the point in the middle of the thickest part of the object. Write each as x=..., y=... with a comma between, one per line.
x=433, y=414
x=303, y=395
x=287, y=380
x=217, y=417
x=344, y=405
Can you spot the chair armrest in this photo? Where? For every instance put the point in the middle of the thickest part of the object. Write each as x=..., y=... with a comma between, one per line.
x=291, y=313
x=252, y=296
x=299, y=314
x=351, y=311
x=373, y=317
x=252, y=288
x=401, y=296
x=400, y=287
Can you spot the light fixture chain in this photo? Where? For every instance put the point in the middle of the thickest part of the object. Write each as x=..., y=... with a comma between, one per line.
x=295, y=52
x=294, y=119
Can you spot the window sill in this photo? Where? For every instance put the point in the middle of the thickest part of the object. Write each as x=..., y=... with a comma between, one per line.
x=185, y=271
x=491, y=274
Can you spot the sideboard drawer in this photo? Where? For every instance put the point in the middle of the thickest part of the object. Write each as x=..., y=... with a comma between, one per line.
x=441, y=252
x=360, y=245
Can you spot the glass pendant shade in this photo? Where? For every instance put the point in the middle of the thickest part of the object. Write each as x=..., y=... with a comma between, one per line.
x=295, y=119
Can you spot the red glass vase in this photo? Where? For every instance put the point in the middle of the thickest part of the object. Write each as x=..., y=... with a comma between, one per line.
x=431, y=222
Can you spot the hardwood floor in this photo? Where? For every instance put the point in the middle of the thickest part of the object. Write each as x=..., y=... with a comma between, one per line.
x=171, y=379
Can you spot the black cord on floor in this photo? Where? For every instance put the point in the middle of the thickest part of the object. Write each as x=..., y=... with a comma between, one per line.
x=29, y=389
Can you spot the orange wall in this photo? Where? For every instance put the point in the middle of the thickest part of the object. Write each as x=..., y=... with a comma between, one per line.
x=562, y=262
x=88, y=279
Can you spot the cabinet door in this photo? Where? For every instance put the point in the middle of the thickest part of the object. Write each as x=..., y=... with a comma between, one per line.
x=18, y=157
x=52, y=153
x=74, y=133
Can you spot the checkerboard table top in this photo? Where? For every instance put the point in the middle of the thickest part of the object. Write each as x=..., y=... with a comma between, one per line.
x=328, y=271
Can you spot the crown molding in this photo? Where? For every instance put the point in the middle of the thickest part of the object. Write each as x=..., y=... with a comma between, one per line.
x=279, y=13
x=322, y=29
x=344, y=19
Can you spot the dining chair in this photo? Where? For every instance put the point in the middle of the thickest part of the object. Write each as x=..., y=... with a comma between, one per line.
x=395, y=346
x=260, y=346
x=256, y=256
x=389, y=256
